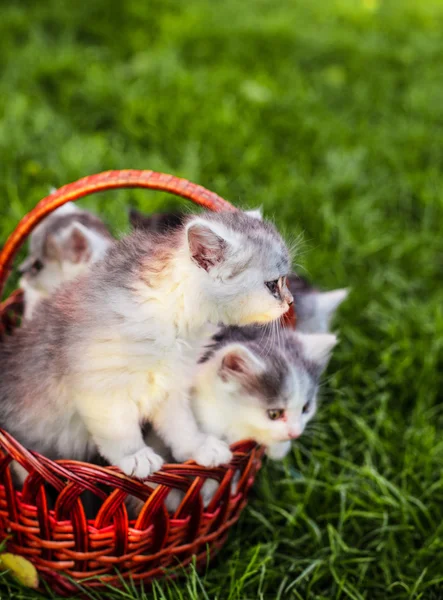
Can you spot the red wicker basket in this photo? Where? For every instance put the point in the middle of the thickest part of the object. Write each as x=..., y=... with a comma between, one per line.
x=67, y=548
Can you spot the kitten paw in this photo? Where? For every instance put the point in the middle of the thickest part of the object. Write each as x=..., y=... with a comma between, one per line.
x=141, y=464
x=278, y=450
x=212, y=452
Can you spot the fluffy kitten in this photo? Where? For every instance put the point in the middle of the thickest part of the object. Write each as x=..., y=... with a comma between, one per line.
x=114, y=348
x=61, y=247
x=250, y=385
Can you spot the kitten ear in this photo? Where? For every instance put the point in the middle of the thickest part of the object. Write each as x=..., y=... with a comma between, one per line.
x=68, y=208
x=207, y=248
x=239, y=362
x=317, y=348
x=328, y=302
x=78, y=244
x=256, y=213
x=315, y=310
x=72, y=244
x=52, y=249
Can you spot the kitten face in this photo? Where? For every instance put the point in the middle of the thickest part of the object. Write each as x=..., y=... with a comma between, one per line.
x=246, y=263
x=45, y=276
x=61, y=248
x=261, y=390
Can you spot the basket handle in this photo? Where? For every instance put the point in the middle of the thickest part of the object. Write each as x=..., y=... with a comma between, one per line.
x=109, y=180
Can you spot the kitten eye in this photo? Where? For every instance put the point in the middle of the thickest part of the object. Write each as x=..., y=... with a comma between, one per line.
x=37, y=266
x=275, y=413
x=272, y=286
x=306, y=408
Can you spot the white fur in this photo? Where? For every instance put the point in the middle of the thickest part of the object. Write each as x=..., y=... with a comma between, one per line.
x=256, y=213
x=65, y=209
x=226, y=411
x=279, y=450
x=317, y=348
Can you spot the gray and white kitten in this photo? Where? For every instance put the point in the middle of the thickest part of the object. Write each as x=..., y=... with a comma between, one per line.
x=315, y=311
x=252, y=385
x=117, y=347
x=61, y=247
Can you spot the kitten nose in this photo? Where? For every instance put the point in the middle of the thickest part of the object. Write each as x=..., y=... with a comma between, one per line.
x=294, y=434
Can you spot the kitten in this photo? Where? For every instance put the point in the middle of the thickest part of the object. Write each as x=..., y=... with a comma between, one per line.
x=250, y=385
x=61, y=247
x=114, y=348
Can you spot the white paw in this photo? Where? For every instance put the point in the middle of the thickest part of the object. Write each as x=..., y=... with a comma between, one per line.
x=212, y=452
x=278, y=450
x=141, y=464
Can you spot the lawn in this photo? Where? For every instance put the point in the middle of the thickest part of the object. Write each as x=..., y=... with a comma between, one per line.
x=330, y=115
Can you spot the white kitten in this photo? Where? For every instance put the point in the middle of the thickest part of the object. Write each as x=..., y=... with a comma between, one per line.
x=114, y=348
x=250, y=385
x=61, y=247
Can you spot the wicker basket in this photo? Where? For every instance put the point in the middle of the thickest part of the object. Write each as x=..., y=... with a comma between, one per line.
x=66, y=547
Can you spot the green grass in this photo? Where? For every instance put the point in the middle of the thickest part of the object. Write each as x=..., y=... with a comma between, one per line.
x=330, y=115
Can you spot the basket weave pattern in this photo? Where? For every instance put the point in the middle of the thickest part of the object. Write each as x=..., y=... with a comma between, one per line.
x=56, y=534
